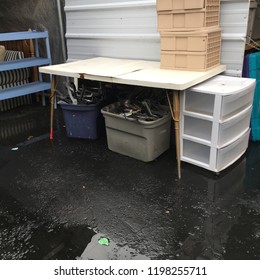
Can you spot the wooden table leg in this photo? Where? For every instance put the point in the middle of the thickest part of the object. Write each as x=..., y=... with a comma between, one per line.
x=175, y=112
x=52, y=105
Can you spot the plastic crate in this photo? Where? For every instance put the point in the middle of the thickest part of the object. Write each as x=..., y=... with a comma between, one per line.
x=188, y=20
x=194, y=41
x=142, y=140
x=168, y=5
x=194, y=61
x=83, y=121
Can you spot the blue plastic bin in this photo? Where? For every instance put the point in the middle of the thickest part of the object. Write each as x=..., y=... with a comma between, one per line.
x=245, y=70
x=255, y=129
x=254, y=61
x=255, y=122
x=83, y=121
x=255, y=134
x=256, y=101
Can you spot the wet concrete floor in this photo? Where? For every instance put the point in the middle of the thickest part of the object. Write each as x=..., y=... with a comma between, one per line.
x=59, y=198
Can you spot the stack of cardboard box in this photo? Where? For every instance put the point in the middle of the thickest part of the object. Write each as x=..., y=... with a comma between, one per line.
x=190, y=34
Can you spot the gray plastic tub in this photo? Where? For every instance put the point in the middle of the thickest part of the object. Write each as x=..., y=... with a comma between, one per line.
x=142, y=140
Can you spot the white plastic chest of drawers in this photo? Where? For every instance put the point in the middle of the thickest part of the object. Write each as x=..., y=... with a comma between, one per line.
x=215, y=121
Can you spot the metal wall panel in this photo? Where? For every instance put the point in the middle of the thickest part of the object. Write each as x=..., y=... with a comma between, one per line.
x=233, y=21
x=128, y=29
x=125, y=29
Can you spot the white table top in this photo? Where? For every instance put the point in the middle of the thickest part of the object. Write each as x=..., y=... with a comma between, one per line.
x=131, y=72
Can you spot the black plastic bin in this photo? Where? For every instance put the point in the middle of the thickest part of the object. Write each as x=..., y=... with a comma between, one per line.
x=83, y=121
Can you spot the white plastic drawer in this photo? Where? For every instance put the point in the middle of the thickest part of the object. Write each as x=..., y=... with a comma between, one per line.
x=197, y=128
x=233, y=104
x=212, y=158
x=228, y=155
x=213, y=133
x=195, y=153
x=231, y=130
x=199, y=103
x=219, y=98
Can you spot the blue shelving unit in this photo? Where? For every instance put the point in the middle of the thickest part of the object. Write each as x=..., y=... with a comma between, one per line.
x=36, y=61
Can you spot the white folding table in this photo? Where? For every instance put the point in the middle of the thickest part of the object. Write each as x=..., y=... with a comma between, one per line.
x=133, y=72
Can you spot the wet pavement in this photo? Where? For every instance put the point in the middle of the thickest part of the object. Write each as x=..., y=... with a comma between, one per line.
x=58, y=198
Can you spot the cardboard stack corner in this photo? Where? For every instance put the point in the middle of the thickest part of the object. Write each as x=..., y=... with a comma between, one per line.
x=190, y=34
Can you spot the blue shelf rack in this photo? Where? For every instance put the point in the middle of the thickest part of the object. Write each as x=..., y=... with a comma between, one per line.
x=36, y=61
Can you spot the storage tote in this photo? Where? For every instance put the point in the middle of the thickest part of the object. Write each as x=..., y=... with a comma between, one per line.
x=139, y=139
x=83, y=121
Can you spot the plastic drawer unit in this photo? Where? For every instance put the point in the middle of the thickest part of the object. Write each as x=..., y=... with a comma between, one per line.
x=215, y=120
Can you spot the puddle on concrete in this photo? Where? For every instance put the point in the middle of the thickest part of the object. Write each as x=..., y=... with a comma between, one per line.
x=230, y=214
x=51, y=192
x=26, y=236
x=24, y=124
x=110, y=251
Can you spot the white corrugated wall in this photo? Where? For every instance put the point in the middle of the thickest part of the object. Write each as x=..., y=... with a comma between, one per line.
x=128, y=29
x=125, y=29
x=233, y=21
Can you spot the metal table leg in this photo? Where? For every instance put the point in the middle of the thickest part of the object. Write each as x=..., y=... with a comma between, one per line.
x=52, y=105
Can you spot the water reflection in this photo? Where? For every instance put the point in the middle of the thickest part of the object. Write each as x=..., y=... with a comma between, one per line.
x=111, y=251
x=22, y=123
x=222, y=210
x=26, y=236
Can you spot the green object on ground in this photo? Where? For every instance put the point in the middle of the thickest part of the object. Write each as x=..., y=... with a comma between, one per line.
x=103, y=241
